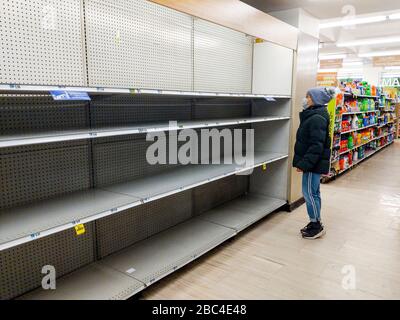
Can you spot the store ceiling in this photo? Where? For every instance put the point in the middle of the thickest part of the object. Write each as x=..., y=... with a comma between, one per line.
x=325, y=9
x=338, y=9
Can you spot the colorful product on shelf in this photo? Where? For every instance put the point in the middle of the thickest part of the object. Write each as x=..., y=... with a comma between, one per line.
x=346, y=125
x=350, y=143
x=355, y=156
x=354, y=122
x=344, y=145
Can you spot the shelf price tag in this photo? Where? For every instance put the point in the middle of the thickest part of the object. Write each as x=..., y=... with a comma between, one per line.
x=80, y=229
x=61, y=95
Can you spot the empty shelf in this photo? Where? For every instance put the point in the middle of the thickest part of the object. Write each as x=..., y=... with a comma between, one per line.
x=95, y=282
x=27, y=223
x=70, y=135
x=243, y=212
x=20, y=89
x=126, y=273
x=150, y=260
x=186, y=177
x=23, y=224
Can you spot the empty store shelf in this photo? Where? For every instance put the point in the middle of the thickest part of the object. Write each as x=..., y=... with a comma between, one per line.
x=244, y=211
x=23, y=139
x=94, y=282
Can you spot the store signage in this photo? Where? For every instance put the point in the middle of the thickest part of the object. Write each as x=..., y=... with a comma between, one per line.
x=386, y=61
x=60, y=95
x=331, y=64
x=390, y=82
x=327, y=79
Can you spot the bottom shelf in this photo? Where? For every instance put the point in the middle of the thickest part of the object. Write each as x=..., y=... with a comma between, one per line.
x=243, y=212
x=94, y=282
x=129, y=271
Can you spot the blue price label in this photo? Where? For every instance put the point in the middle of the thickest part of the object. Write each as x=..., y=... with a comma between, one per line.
x=60, y=95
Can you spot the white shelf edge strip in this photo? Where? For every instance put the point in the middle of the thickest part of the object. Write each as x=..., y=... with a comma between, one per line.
x=359, y=112
x=66, y=226
x=102, y=133
x=16, y=88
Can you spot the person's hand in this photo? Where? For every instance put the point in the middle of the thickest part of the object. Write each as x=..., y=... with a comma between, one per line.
x=299, y=170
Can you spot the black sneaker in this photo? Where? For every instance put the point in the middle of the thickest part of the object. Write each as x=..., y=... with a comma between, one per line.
x=306, y=228
x=314, y=232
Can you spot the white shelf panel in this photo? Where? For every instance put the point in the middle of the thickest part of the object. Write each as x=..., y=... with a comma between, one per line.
x=359, y=112
x=150, y=260
x=243, y=212
x=37, y=89
x=186, y=177
x=31, y=222
x=95, y=282
x=70, y=135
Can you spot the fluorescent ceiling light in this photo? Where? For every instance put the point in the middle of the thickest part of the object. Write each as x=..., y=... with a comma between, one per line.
x=327, y=70
x=352, y=69
x=332, y=56
x=380, y=54
x=351, y=22
x=395, y=16
x=392, y=68
x=364, y=42
x=353, y=64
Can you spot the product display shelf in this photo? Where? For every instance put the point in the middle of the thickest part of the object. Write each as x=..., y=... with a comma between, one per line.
x=354, y=95
x=141, y=265
x=37, y=89
x=367, y=155
x=71, y=135
x=363, y=144
x=359, y=112
x=28, y=223
x=397, y=120
x=340, y=134
x=358, y=129
x=385, y=124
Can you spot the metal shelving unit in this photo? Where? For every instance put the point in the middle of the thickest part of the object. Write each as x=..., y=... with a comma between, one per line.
x=69, y=166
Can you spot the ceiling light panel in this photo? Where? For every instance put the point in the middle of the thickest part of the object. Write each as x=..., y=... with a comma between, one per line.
x=352, y=22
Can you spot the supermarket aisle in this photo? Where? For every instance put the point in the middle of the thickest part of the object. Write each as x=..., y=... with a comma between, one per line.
x=271, y=261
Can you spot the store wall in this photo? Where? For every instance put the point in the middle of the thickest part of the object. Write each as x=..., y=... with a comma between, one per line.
x=306, y=67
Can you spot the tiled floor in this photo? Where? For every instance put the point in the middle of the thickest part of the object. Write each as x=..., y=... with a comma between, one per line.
x=359, y=258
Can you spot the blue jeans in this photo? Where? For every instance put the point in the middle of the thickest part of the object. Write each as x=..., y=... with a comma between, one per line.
x=312, y=195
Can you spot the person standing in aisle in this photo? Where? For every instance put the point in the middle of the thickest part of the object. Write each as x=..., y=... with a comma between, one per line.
x=312, y=154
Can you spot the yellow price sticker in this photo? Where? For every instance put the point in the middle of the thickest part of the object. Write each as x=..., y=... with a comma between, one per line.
x=80, y=229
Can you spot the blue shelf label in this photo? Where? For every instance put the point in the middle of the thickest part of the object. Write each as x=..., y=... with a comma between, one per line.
x=60, y=95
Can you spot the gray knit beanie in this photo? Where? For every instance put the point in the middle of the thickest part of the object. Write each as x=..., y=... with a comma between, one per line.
x=321, y=95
